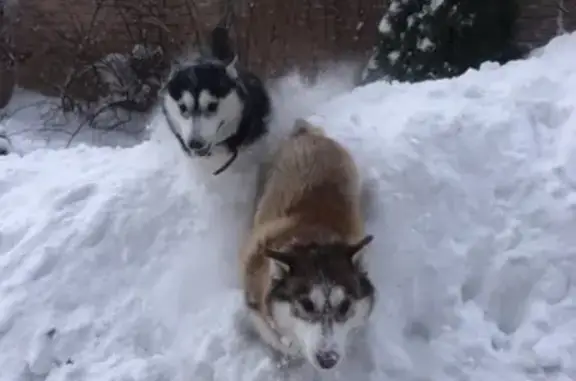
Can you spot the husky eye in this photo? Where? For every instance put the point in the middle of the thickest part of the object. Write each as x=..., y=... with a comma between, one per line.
x=212, y=106
x=182, y=108
x=344, y=307
x=307, y=305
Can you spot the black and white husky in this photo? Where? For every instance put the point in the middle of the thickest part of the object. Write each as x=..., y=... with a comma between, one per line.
x=212, y=103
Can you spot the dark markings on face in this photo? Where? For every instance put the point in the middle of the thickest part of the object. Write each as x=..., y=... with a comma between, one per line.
x=203, y=78
x=320, y=274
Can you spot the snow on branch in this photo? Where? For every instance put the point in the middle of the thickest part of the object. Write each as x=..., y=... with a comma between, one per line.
x=102, y=89
x=430, y=39
x=560, y=27
x=107, y=89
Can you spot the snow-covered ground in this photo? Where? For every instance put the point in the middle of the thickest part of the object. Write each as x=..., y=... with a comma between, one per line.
x=34, y=121
x=120, y=263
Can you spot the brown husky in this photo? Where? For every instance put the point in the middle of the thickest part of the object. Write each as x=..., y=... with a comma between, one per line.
x=305, y=285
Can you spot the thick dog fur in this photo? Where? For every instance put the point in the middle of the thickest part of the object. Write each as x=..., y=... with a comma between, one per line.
x=302, y=272
x=214, y=103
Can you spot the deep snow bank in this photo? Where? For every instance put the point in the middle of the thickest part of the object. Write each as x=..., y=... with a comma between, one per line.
x=119, y=264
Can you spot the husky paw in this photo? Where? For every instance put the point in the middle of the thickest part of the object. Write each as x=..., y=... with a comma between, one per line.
x=290, y=346
x=289, y=362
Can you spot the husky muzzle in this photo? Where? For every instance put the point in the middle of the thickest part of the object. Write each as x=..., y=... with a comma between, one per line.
x=326, y=354
x=200, y=147
x=200, y=144
x=197, y=143
x=327, y=359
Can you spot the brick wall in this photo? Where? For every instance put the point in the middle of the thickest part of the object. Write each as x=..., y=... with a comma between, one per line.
x=272, y=35
x=282, y=34
x=538, y=21
x=58, y=35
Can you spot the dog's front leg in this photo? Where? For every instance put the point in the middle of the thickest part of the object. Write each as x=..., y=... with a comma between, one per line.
x=283, y=345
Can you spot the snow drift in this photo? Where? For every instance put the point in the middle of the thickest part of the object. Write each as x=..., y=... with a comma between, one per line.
x=119, y=264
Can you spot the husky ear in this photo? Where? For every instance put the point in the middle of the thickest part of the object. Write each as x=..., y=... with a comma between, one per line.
x=220, y=45
x=281, y=262
x=354, y=251
x=231, y=68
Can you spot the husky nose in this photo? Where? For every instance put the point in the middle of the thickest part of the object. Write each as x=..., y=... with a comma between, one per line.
x=327, y=360
x=199, y=147
x=196, y=144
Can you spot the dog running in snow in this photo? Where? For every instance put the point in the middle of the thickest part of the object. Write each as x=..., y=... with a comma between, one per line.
x=302, y=269
x=212, y=103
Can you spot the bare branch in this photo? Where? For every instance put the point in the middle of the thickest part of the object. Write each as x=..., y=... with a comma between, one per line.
x=104, y=91
x=195, y=20
x=560, y=27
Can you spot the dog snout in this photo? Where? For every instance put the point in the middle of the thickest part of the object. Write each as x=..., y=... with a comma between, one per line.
x=327, y=360
x=200, y=148
x=196, y=144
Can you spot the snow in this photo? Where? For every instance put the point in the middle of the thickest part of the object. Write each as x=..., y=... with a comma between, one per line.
x=120, y=263
x=384, y=27
x=425, y=44
x=33, y=121
x=394, y=7
x=393, y=56
x=560, y=25
x=435, y=4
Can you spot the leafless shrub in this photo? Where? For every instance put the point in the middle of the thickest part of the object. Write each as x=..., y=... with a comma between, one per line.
x=133, y=79
x=106, y=90
x=8, y=59
x=128, y=84
x=560, y=16
x=102, y=89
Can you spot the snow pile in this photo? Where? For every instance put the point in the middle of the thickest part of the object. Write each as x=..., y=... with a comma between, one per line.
x=33, y=121
x=120, y=264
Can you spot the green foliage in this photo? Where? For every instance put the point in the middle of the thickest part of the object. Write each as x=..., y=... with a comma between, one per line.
x=428, y=39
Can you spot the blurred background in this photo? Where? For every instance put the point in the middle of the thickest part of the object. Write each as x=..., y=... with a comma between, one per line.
x=87, y=49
